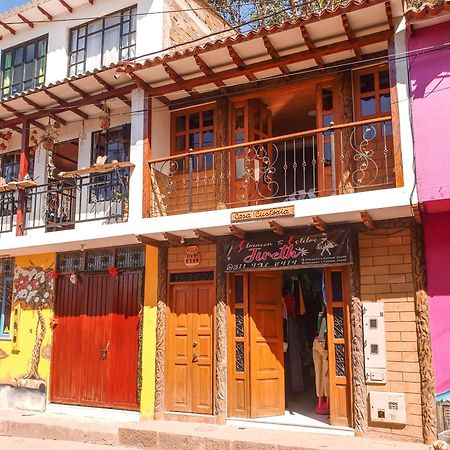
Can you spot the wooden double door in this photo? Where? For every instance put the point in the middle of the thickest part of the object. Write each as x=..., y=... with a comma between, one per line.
x=190, y=347
x=255, y=345
x=96, y=341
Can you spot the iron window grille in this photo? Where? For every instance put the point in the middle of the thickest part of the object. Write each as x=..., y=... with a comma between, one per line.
x=103, y=41
x=24, y=66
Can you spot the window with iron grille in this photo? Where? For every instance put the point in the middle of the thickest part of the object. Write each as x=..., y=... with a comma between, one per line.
x=103, y=41
x=6, y=296
x=23, y=66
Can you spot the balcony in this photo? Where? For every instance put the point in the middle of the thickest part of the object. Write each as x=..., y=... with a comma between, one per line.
x=61, y=204
x=337, y=160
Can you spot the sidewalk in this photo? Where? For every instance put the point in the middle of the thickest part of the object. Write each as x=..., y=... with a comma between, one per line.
x=163, y=435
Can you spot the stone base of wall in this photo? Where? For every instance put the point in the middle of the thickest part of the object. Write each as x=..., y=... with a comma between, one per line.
x=23, y=398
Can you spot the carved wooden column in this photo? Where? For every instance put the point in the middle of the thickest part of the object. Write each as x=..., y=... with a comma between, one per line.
x=222, y=159
x=161, y=322
x=359, y=378
x=344, y=157
x=221, y=334
x=423, y=335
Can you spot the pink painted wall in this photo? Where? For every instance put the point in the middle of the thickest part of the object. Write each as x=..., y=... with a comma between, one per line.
x=430, y=90
x=437, y=250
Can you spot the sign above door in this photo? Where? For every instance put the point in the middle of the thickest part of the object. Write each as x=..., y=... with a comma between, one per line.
x=262, y=214
x=294, y=249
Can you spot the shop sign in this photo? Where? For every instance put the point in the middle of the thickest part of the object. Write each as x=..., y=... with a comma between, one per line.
x=192, y=257
x=267, y=251
x=263, y=214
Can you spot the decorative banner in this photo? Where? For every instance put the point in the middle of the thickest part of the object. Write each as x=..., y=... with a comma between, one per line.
x=269, y=250
x=192, y=257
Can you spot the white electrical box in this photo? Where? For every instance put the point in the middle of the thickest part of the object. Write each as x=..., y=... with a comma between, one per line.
x=374, y=342
x=387, y=407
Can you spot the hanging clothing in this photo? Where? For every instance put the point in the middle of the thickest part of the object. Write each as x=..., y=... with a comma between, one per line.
x=320, y=357
x=289, y=301
x=285, y=327
x=295, y=356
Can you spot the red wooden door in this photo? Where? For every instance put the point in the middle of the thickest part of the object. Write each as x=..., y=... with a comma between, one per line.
x=95, y=343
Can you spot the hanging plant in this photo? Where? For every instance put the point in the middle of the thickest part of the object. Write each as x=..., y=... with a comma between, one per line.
x=113, y=271
x=50, y=136
x=105, y=118
x=8, y=135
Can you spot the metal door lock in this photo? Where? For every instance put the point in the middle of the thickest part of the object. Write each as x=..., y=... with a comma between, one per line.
x=194, y=357
x=105, y=351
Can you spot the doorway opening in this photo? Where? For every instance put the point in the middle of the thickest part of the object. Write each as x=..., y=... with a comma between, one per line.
x=289, y=347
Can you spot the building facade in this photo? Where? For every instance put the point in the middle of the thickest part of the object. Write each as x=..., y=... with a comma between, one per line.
x=176, y=213
x=429, y=85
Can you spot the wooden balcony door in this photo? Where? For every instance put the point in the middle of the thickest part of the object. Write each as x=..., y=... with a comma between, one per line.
x=251, y=178
x=256, y=362
x=339, y=345
x=190, y=349
x=96, y=341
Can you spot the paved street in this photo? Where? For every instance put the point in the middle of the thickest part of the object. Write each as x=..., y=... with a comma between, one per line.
x=13, y=443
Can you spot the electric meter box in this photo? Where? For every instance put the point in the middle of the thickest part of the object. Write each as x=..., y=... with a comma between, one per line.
x=374, y=342
x=387, y=407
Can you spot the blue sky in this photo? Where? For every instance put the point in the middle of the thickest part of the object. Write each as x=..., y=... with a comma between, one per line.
x=8, y=4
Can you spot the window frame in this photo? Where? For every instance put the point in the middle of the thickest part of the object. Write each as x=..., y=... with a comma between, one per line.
x=131, y=10
x=16, y=155
x=36, y=59
x=187, y=131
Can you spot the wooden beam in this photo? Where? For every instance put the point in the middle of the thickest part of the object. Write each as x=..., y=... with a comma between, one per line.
x=178, y=79
x=274, y=54
x=66, y=5
x=417, y=213
x=200, y=234
x=319, y=223
x=367, y=221
x=108, y=87
x=174, y=238
x=350, y=34
x=276, y=227
x=140, y=83
x=25, y=20
x=150, y=241
x=22, y=117
x=238, y=232
x=82, y=93
x=7, y=27
x=62, y=102
x=39, y=108
x=240, y=62
x=310, y=44
x=388, y=9
x=45, y=13
x=209, y=72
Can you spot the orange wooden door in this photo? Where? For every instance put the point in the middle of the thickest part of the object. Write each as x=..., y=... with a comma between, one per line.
x=339, y=346
x=190, y=348
x=266, y=345
x=251, y=181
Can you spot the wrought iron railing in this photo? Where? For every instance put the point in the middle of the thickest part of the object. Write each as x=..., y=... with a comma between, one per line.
x=61, y=204
x=8, y=209
x=341, y=159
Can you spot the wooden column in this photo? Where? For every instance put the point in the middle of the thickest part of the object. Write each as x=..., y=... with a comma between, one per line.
x=397, y=148
x=360, y=410
x=146, y=185
x=161, y=324
x=222, y=159
x=344, y=158
x=429, y=422
x=23, y=170
x=221, y=335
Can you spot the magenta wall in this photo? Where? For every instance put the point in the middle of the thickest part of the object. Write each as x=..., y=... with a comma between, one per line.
x=430, y=90
x=437, y=249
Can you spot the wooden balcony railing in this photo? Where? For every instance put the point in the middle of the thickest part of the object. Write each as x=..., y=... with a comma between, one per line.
x=341, y=159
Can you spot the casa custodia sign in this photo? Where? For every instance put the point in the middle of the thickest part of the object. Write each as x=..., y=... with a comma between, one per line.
x=269, y=251
x=262, y=214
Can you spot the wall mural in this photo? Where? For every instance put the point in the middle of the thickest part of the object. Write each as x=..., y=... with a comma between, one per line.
x=33, y=288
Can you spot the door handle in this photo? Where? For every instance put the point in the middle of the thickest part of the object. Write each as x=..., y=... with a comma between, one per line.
x=194, y=344
x=194, y=357
x=105, y=351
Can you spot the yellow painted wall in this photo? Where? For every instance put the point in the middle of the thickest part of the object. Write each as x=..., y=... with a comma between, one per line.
x=15, y=363
x=149, y=333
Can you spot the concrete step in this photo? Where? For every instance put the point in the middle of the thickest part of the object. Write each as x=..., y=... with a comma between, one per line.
x=169, y=435
x=57, y=427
